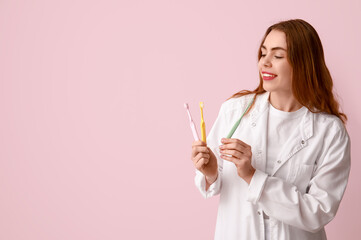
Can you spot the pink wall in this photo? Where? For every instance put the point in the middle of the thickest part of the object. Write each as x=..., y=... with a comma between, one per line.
x=94, y=140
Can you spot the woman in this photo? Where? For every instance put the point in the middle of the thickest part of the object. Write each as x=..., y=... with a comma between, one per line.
x=283, y=173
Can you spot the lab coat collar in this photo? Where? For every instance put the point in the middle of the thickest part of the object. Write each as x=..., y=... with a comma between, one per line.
x=297, y=141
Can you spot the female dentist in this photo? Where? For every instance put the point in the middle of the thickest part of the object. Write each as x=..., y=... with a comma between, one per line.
x=283, y=173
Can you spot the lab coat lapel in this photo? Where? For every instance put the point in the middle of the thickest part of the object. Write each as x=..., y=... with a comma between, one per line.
x=258, y=124
x=297, y=141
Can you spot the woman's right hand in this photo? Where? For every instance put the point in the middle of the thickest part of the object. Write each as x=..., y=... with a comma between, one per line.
x=205, y=161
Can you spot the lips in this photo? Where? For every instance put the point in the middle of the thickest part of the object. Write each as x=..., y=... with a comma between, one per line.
x=268, y=76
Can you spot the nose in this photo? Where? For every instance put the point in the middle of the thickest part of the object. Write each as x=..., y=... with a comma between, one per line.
x=266, y=61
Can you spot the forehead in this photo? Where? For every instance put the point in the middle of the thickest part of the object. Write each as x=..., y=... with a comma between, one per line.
x=275, y=39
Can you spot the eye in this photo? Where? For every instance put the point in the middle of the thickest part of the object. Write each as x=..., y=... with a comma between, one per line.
x=278, y=57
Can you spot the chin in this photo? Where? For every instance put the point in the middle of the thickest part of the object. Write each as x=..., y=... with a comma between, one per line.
x=268, y=87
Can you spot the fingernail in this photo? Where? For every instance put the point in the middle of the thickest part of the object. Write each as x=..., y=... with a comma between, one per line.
x=222, y=140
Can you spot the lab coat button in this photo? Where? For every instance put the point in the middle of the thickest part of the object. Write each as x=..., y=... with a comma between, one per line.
x=253, y=124
x=259, y=213
x=279, y=161
x=303, y=142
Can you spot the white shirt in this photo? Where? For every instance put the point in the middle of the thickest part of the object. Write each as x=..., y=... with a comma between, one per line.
x=280, y=126
x=304, y=189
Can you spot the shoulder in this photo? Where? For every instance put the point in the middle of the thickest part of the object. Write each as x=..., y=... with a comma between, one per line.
x=330, y=124
x=241, y=103
x=328, y=120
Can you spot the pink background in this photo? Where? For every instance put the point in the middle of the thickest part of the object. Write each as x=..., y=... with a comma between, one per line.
x=94, y=140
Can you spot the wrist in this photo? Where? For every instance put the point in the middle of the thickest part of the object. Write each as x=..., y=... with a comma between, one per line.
x=212, y=179
x=250, y=176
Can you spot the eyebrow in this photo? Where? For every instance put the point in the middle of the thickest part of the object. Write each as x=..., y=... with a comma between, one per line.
x=275, y=48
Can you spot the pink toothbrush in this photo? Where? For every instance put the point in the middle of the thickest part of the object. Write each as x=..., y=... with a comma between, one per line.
x=193, y=127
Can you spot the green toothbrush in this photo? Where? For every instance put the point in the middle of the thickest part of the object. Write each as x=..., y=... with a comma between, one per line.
x=230, y=134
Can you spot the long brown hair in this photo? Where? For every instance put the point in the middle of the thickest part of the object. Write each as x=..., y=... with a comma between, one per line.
x=312, y=84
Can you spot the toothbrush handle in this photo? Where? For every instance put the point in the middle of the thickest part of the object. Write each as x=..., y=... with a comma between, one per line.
x=203, y=131
x=235, y=126
x=193, y=127
x=194, y=131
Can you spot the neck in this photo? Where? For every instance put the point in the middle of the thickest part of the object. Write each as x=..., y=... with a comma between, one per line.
x=284, y=101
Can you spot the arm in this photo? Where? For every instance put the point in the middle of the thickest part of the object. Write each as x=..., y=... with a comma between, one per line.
x=312, y=210
x=211, y=186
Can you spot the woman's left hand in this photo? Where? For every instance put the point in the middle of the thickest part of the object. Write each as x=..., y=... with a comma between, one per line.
x=240, y=154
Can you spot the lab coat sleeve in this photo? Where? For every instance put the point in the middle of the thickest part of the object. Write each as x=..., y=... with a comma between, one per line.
x=213, y=142
x=312, y=210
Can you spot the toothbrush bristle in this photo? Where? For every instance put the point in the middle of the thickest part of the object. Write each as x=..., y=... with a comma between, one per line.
x=186, y=105
x=201, y=104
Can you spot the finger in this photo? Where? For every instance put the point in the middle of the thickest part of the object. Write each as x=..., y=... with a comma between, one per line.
x=229, y=158
x=240, y=163
x=198, y=149
x=201, y=163
x=201, y=149
x=203, y=155
x=234, y=146
x=234, y=140
x=199, y=143
x=233, y=153
x=200, y=156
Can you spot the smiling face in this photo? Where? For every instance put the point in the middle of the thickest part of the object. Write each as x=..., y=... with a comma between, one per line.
x=273, y=65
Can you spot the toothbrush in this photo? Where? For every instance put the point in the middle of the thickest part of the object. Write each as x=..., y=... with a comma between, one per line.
x=203, y=125
x=193, y=127
x=230, y=134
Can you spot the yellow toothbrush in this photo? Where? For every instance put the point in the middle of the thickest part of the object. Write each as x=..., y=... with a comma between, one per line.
x=203, y=125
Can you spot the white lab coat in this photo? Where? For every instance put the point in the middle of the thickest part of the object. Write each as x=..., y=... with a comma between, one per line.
x=306, y=185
